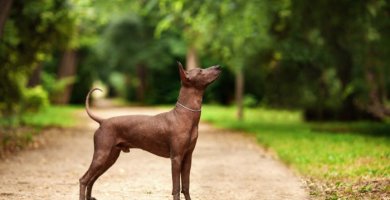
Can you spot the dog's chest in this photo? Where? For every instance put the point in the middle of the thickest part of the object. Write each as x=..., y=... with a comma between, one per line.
x=193, y=136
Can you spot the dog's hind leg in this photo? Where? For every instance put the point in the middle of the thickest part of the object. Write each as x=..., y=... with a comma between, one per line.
x=102, y=161
x=104, y=156
x=110, y=161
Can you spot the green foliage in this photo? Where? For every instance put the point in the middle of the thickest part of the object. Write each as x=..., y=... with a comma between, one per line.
x=334, y=52
x=53, y=86
x=131, y=35
x=118, y=83
x=250, y=101
x=229, y=30
x=294, y=53
x=58, y=116
x=33, y=29
x=134, y=59
x=35, y=99
x=164, y=85
x=325, y=151
x=11, y=91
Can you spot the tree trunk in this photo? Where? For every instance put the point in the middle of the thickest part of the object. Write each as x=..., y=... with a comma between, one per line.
x=66, y=69
x=382, y=81
x=376, y=94
x=192, y=58
x=240, y=93
x=141, y=88
x=35, y=78
x=349, y=109
x=5, y=7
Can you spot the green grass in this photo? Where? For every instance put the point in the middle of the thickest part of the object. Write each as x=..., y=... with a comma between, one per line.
x=331, y=151
x=18, y=132
x=59, y=116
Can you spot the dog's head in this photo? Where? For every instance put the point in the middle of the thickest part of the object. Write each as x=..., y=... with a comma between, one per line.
x=197, y=77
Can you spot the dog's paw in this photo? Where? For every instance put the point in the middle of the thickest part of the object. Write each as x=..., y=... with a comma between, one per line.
x=92, y=198
x=187, y=197
x=176, y=196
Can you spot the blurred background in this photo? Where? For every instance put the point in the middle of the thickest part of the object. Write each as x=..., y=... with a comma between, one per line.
x=327, y=58
x=309, y=79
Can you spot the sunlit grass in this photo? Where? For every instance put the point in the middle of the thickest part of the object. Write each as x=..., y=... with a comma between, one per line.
x=60, y=116
x=17, y=132
x=326, y=151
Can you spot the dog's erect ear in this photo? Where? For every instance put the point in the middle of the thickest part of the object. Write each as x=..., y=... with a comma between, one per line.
x=183, y=74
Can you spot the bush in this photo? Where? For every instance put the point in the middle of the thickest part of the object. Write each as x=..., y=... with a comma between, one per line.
x=53, y=86
x=250, y=101
x=34, y=99
x=11, y=87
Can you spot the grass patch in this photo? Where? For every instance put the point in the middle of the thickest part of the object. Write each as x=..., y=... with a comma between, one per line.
x=330, y=152
x=59, y=116
x=18, y=131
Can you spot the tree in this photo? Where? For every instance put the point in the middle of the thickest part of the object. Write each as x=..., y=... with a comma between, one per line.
x=5, y=6
x=129, y=47
x=33, y=29
x=180, y=15
x=231, y=31
x=338, y=42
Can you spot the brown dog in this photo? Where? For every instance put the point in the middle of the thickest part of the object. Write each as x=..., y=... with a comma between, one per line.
x=171, y=135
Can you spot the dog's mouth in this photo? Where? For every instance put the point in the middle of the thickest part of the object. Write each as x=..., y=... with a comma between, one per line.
x=218, y=71
x=218, y=67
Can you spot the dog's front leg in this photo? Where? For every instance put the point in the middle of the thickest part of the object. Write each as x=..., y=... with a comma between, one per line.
x=176, y=168
x=185, y=175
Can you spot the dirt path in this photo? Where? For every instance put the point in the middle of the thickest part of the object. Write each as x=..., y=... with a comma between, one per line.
x=226, y=166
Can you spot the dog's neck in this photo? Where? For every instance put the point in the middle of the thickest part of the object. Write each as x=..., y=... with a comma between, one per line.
x=190, y=98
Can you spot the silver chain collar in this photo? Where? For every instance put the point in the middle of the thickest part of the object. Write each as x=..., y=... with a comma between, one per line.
x=190, y=109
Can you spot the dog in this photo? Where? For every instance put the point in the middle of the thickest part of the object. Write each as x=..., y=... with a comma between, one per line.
x=171, y=134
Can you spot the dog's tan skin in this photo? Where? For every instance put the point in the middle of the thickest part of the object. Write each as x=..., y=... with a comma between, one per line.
x=171, y=134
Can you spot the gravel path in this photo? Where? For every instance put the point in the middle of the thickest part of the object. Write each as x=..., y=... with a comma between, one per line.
x=226, y=166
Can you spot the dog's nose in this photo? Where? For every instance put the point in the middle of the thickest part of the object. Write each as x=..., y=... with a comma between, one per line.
x=218, y=67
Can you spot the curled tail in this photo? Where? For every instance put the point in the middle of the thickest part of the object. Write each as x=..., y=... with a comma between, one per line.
x=92, y=116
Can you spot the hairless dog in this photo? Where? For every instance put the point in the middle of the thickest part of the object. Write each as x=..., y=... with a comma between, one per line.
x=171, y=134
